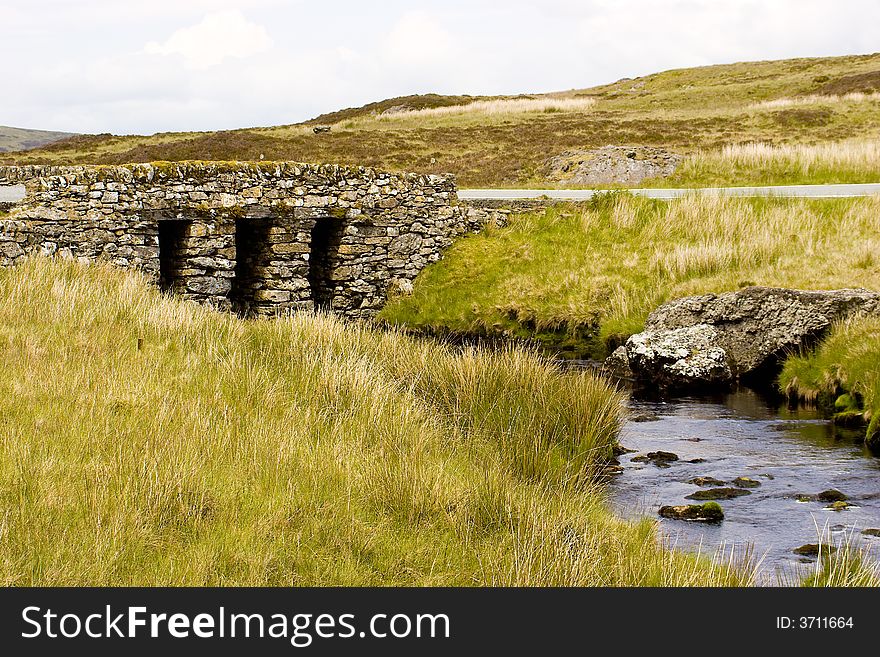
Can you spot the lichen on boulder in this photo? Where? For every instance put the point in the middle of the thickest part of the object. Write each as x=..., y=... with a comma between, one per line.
x=718, y=339
x=688, y=355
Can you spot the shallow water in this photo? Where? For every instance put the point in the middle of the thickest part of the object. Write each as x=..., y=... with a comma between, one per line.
x=740, y=434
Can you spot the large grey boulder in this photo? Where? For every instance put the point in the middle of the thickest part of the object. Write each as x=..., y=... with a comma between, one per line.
x=687, y=354
x=719, y=338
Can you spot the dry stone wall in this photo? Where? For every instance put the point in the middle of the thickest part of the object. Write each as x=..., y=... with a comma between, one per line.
x=258, y=238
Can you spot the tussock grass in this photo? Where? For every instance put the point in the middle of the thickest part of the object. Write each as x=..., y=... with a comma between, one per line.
x=499, y=106
x=849, y=566
x=855, y=97
x=853, y=160
x=581, y=277
x=296, y=451
x=843, y=563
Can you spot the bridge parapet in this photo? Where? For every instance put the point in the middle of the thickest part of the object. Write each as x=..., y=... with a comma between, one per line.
x=258, y=237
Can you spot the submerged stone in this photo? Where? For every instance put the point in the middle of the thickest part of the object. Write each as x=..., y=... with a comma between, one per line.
x=708, y=512
x=871, y=531
x=645, y=417
x=717, y=494
x=660, y=459
x=814, y=549
x=849, y=419
x=705, y=481
x=746, y=482
x=831, y=495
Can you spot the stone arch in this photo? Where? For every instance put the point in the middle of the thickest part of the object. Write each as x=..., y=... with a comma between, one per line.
x=252, y=257
x=172, y=248
x=324, y=258
x=197, y=259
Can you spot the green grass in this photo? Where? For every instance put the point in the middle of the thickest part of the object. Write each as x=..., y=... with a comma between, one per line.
x=581, y=278
x=296, y=451
x=847, y=362
x=695, y=112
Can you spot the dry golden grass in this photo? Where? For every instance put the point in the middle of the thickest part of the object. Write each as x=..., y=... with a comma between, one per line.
x=855, y=153
x=855, y=97
x=294, y=451
x=500, y=106
x=851, y=160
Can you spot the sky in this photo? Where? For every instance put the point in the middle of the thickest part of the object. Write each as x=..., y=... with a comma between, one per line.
x=145, y=66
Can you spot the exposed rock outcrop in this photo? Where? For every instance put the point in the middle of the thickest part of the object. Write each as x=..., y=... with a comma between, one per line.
x=612, y=164
x=716, y=339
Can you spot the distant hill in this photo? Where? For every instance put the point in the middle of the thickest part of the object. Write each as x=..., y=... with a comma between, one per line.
x=21, y=139
x=522, y=140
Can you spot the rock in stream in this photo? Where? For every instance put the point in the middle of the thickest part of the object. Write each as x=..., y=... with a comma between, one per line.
x=717, y=339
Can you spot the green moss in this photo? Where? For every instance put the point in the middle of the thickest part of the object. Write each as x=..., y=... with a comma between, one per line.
x=712, y=507
x=845, y=362
x=849, y=419
x=846, y=402
x=872, y=438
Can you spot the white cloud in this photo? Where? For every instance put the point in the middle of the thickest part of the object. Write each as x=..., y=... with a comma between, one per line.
x=418, y=39
x=217, y=37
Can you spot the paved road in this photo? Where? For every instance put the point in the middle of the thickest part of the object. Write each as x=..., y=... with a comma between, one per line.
x=786, y=191
x=10, y=194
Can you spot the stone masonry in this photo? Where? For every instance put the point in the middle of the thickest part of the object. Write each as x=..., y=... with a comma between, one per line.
x=258, y=238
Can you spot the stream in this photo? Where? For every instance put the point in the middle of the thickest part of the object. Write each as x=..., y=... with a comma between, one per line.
x=790, y=452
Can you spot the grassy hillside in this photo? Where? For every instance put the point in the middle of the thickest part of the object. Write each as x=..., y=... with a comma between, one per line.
x=19, y=139
x=582, y=278
x=295, y=451
x=695, y=112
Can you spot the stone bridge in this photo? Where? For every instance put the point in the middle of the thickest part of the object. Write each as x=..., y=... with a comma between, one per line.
x=256, y=238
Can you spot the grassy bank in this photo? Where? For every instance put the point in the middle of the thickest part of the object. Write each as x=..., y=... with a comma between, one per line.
x=146, y=440
x=850, y=161
x=583, y=277
x=506, y=141
x=843, y=374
